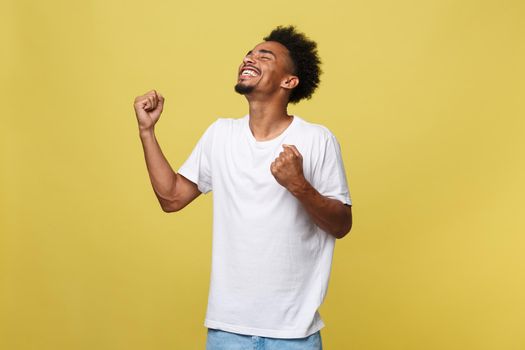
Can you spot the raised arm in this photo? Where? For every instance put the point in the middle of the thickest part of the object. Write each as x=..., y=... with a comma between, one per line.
x=173, y=190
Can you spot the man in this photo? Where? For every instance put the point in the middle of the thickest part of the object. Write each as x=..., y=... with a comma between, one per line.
x=280, y=200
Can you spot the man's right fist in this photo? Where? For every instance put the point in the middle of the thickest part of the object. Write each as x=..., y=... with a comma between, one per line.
x=148, y=108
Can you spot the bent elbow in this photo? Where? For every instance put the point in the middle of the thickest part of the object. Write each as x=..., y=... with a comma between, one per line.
x=346, y=230
x=341, y=234
x=170, y=207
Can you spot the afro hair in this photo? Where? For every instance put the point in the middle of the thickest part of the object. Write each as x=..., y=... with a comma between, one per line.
x=303, y=53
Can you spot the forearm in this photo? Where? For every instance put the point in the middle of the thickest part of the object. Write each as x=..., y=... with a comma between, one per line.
x=162, y=176
x=329, y=214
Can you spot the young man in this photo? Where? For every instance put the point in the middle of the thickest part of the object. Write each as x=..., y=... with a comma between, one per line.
x=280, y=200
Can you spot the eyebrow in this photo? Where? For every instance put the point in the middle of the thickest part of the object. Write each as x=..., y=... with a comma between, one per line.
x=263, y=51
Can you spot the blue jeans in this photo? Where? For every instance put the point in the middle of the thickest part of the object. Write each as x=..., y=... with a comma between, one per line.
x=221, y=340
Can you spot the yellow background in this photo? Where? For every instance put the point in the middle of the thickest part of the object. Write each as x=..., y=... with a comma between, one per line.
x=425, y=97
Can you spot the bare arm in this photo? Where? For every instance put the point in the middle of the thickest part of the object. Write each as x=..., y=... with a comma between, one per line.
x=173, y=190
x=332, y=215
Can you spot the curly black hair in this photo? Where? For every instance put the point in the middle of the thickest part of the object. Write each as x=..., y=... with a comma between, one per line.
x=303, y=53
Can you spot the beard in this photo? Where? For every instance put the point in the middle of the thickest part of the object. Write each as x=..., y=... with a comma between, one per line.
x=243, y=89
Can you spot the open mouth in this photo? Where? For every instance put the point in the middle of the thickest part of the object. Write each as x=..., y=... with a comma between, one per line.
x=249, y=72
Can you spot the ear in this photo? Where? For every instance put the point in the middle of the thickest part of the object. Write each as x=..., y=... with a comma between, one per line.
x=290, y=82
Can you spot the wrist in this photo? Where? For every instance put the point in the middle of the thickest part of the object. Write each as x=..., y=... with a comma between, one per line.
x=146, y=132
x=300, y=188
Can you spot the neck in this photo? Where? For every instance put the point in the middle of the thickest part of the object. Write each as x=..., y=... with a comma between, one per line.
x=268, y=120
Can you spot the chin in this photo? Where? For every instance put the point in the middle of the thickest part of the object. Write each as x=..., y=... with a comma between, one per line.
x=243, y=89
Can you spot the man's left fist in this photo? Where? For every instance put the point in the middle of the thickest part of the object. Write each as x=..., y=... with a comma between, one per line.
x=288, y=168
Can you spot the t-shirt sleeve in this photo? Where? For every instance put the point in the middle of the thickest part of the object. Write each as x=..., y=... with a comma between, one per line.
x=197, y=167
x=330, y=178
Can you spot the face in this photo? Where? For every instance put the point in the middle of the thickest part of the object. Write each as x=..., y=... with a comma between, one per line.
x=267, y=68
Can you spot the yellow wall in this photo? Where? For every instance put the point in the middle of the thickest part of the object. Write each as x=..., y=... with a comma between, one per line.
x=425, y=97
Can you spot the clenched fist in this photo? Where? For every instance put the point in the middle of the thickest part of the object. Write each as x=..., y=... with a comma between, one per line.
x=288, y=168
x=148, y=108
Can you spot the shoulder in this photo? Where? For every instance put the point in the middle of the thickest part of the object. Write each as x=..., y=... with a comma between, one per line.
x=314, y=130
x=222, y=129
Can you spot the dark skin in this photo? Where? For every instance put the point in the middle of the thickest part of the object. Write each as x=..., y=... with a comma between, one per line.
x=269, y=90
x=272, y=85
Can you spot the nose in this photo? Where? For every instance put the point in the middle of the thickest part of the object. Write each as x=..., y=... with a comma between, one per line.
x=248, y=59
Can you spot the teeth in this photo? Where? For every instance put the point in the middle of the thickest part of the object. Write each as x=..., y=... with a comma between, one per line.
x=249, y=72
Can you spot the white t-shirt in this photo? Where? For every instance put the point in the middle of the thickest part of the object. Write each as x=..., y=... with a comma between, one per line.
x=270, y=262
